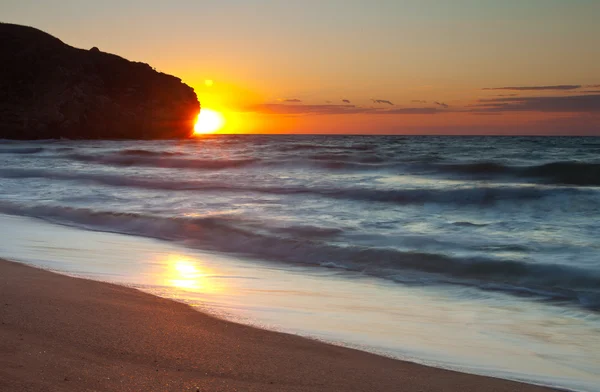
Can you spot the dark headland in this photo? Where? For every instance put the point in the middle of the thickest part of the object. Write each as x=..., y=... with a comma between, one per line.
x=49, y=90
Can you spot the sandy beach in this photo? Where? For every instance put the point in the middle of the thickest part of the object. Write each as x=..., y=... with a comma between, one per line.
x=59, y=333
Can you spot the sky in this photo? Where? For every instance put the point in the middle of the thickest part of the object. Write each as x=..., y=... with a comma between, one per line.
x=356, y=66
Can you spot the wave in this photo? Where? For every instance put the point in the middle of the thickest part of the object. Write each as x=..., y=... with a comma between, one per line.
x=139, y=152
x=364, y=164
x=469, y=224
x=164, y=159
x=571, y=173
x=462, y=196
x=318, y=146
x=351, y=159
x=558, y=173
x=477, y=168
x=336, y=158
x=23, y=150
x=158, y=160
x=308, y=245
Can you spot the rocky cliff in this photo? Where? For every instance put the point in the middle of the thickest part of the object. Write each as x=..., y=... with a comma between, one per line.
x=51, y=90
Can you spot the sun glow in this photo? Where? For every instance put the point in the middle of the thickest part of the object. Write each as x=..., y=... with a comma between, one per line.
x=209, y=121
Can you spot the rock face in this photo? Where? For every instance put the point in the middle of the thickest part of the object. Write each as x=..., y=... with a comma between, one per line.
x=51, y=90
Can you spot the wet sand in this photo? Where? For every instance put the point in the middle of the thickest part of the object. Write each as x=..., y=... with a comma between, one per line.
x=59, y=333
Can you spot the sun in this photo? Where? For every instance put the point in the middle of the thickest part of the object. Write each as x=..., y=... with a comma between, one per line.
x=209, y=121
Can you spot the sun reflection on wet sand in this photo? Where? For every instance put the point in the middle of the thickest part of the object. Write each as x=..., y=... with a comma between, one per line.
x=188, y=274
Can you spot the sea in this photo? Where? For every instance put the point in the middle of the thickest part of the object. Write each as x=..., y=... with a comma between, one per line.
x=479, y=254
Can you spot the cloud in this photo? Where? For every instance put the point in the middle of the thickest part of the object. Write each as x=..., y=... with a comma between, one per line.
x=486, y=113
x=593, y=86
x=410, y=111
x=507, y=95
x=327, y=101
x=283, y=109
x=445, y=106
x=291, y=100
x=345, y=101
x=584, y=103
x=277, y=108
x=382, y=101
x=537, y=88
x=557, y=104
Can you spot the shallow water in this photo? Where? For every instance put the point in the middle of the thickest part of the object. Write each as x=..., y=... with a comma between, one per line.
x=443, y=327
x=479, y=253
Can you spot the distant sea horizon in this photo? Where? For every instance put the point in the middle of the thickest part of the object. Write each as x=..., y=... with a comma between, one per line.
x=218, y=134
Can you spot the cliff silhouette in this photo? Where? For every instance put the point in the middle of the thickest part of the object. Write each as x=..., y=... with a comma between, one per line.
x=49, y=89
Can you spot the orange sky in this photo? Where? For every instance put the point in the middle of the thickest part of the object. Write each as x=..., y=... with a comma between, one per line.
x=403, y=66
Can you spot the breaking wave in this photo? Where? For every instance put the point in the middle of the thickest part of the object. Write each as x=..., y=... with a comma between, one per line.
x=462, y=196
x=234, y=235
x=355, y=159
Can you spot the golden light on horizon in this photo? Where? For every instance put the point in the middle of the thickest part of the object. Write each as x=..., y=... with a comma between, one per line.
x=209, y=121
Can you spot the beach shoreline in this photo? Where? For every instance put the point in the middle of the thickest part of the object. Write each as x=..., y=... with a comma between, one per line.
x=64, y=333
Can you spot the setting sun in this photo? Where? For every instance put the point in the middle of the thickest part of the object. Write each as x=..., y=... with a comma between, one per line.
x=209, y=121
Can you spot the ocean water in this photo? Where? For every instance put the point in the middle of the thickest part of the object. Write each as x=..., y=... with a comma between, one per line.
x=476, y=253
